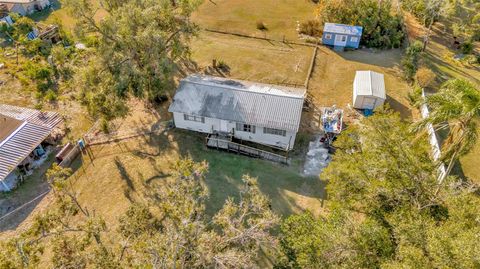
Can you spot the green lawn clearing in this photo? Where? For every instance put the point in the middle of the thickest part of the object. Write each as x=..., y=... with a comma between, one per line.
x=334, y=72
x=131, y=170
x=242, y=16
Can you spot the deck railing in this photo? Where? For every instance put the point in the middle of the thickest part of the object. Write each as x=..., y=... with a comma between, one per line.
x=228, y=145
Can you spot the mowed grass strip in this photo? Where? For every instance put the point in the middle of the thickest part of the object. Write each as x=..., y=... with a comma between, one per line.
x=253, y=59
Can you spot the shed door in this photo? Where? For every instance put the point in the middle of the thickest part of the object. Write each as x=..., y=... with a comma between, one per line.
x=368, y=103
x=340, y=40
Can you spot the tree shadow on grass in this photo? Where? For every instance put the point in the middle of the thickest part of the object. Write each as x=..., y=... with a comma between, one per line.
x=126, y=177
x=384, y=58
x=405, y=112
x=288, y=191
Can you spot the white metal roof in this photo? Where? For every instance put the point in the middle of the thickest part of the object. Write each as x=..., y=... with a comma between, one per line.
x=342, y=29
x=369, y=83
x=37, y=117
x=35, y=127
x=240, y=101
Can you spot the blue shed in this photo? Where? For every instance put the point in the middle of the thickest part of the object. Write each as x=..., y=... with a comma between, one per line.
x=341, y=36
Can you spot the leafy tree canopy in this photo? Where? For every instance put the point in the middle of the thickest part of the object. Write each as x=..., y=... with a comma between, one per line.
x=388, y=209
x=137, y=46
x=381, y=27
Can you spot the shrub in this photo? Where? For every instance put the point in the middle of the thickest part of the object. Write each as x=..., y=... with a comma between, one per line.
x=104, y=126
x=221, y=64
x=467, y=47
x=50, y=96
x=311, y=28
x=425, y=77
x=261, y=26
x=410, y=60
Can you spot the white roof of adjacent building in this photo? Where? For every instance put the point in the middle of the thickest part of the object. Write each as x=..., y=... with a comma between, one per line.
x=369, y=83
x=342, y=29
x=20, y=142
x=240, y=101
x=16, y=1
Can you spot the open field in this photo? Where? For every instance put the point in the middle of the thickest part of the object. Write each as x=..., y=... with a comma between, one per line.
x=439, y=59
x=334, y=72
x=241, y=16
x=253, y=59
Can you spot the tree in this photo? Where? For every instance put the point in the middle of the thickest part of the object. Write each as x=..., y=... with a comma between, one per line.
x=381, y=27
x=184, y=236
x=139, y=43
x=455, y=107
x=170, y=230
x=410, y=60
x=387, y=209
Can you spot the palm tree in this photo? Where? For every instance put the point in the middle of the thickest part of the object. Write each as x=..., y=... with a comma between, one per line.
x=456, y=107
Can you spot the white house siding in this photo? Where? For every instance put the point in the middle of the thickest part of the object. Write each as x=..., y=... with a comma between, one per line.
x=213, y=125
x=285, y=142
x=206, y=127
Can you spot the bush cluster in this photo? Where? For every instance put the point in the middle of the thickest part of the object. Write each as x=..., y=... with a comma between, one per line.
x=311, y=28
x=381, y=27
x=410, y=60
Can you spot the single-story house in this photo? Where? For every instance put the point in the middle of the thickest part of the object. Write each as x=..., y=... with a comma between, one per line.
x=261, y=113
x=341, y=36
x=24, y=133
x=368, y=90
x=25, y=7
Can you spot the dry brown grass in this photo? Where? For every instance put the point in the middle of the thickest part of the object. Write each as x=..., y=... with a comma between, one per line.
x=241, y=16
x=253, y=59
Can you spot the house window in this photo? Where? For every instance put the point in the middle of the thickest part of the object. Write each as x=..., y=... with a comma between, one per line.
x=354, y=39
x=274, y=131
x=328, y=36
x=245, y=127
x=194, y=118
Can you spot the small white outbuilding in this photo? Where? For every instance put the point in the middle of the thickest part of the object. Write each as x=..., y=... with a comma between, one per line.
x=368, y=90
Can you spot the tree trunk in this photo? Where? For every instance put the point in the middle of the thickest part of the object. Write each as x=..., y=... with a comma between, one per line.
x=426, y=38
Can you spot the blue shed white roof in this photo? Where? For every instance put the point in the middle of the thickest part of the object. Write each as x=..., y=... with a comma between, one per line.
x=343, y=29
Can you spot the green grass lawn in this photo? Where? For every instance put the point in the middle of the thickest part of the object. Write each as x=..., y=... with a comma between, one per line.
x=241, y=16
x=132, y=169
x=334, y=72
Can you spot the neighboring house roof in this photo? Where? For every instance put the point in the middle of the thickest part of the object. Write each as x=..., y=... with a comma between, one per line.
x=27, y=129
x=37, y=117
x=8, y=125
x=16, y=1
x=342, y=29
x=240, y=101
x=369, y=83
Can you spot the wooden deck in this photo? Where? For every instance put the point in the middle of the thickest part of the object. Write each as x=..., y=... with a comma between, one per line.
x=225, y=144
